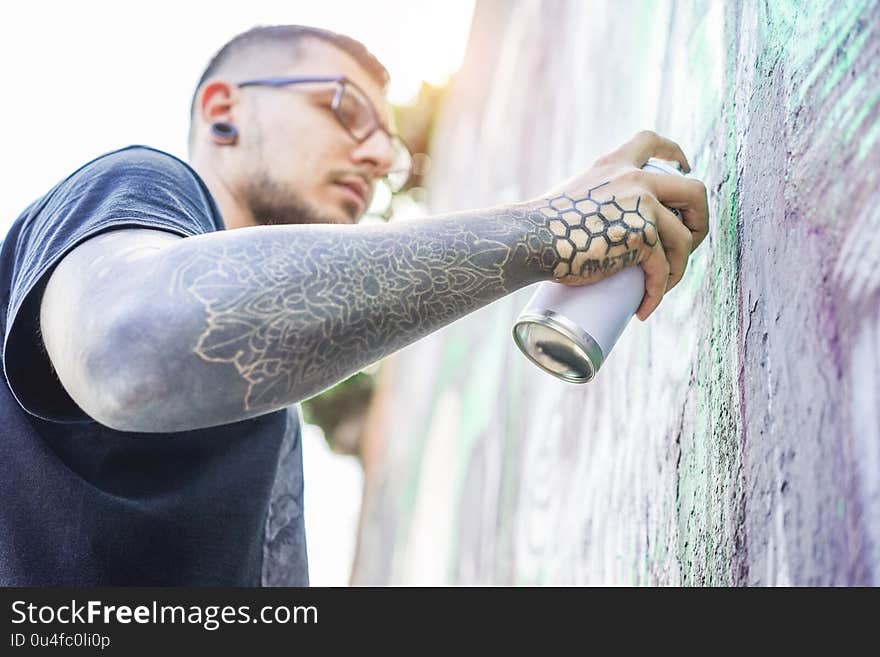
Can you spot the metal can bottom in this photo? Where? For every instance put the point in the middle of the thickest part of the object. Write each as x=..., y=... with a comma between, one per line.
x=557, y=345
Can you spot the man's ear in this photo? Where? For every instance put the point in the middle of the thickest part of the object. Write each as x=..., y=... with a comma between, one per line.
x=217, y=101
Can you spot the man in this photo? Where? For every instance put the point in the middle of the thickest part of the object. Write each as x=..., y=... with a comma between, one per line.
x=161, y=322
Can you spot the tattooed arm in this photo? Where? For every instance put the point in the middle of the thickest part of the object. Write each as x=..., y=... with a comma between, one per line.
x=187, y=333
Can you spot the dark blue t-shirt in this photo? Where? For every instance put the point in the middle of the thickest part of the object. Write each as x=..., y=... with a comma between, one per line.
x=82, y=504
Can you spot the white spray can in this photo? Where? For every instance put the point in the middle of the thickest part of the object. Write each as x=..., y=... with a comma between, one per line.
x=569, y=331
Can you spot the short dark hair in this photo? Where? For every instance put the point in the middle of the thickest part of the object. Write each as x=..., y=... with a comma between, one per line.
x=291, y=36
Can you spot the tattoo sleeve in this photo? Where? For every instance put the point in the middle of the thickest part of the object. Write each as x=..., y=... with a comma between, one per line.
x=255, y=319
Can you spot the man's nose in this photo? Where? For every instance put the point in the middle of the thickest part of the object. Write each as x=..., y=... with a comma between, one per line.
x=376, y=150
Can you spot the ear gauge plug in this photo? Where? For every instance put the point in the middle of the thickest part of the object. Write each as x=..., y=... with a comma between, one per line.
x=224, y=133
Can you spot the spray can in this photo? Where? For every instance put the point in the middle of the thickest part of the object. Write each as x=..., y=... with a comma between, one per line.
x=569, y=331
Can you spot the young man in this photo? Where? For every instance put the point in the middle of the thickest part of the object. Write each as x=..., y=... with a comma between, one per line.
x=161, y=321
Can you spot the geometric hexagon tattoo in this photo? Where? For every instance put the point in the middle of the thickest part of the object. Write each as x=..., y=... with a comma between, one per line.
x=578, y=222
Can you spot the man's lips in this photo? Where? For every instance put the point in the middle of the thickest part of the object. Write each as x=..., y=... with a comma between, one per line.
x=357, y=187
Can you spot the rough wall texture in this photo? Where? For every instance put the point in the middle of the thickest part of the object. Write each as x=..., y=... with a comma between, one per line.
x=732, y=439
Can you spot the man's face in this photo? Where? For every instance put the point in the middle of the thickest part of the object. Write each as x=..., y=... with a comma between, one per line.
x=299, y=165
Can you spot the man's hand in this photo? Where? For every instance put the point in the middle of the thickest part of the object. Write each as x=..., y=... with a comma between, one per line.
x=616, y=215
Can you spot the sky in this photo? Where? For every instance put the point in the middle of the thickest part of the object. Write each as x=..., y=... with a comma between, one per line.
x=82, y=78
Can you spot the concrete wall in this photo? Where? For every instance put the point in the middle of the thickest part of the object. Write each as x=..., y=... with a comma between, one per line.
x=732, y=439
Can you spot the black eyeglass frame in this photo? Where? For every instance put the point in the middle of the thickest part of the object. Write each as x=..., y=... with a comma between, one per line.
x=341, y=81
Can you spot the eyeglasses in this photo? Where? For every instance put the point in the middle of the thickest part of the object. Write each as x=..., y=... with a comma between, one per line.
x=357, y=115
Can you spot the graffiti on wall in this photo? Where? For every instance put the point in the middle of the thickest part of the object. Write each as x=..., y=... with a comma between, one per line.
x=734, y=437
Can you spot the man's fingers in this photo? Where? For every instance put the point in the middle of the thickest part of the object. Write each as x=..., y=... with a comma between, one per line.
x=647, y=144
x=656, y=278
x=687, y=195
x=677, y=240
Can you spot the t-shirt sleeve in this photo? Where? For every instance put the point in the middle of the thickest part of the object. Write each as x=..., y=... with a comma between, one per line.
x=136, y=187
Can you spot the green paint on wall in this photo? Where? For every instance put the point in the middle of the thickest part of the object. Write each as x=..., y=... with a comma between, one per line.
x=511, y=469
x=450, y=363
x=479, y=400
x=695, y=273
x=825, y=28
x=850, y=53
x=709, y=454
x=841, y=113
x=866, y=143
x=854, y=125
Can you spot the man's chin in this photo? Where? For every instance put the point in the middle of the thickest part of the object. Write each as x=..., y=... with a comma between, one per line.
x=272, y=205
x=335, y=215
x=338, y=219
x=350, y=216
x=301, y=213
x=343, y=213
